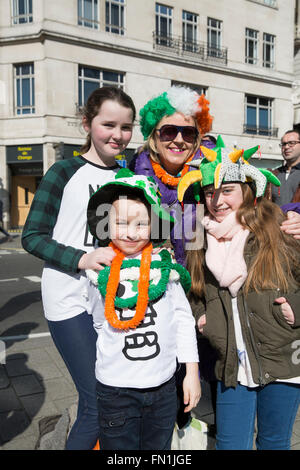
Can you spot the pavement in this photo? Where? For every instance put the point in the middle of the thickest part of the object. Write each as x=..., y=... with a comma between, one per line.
x=37, y=389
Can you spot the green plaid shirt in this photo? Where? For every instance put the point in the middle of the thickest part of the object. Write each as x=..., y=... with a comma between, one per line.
x=37, y=233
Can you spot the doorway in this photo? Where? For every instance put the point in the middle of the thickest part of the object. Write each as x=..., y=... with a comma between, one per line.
x=22, y=193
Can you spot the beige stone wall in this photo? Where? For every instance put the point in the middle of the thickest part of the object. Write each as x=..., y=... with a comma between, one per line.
x=57, y=45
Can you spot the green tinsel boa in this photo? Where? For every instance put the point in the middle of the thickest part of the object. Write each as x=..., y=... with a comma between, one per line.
x=165, y=265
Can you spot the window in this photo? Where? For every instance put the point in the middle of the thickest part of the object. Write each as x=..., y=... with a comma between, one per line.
x=269, y=50
x=88, y=13
x=198, y=88
x=163, y=19
x=268, y=3
x=22, y=11
x=251, y=42
x=214, y=37
x=258, y=116
x=24, y=88
x=189, y=31
x=91, y=78
x=114, y=16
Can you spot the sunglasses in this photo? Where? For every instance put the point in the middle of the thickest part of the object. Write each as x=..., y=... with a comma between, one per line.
x=168, y=132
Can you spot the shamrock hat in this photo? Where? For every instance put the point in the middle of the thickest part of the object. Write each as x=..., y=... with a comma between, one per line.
x=127, y=183
x=222, y=165
x=177, y=99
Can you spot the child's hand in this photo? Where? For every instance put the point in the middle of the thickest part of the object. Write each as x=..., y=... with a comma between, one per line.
x=94, y=259
x=201, y=323
x=158, y=249
x=191, y=386
x=292, y=224
x=286, y=310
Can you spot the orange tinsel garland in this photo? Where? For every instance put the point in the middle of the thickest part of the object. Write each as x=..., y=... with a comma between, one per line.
x=112, y=286
x=165, y=177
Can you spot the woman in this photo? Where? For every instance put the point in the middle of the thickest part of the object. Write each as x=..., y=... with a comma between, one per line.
x=167, y=150
x=172, y=125
x=246, y=299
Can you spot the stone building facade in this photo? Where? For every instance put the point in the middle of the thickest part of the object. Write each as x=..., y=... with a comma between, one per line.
x=53, y=54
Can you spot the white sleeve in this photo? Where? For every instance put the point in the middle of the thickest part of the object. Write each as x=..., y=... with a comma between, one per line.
x=96, y=305
x=186, y=340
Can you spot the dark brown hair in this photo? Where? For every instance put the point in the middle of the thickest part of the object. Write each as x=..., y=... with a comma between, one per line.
x=292, y=131
x=95, y=101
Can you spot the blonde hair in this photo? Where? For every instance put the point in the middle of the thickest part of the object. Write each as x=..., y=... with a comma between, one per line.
x=275, y=259
x=150, y=145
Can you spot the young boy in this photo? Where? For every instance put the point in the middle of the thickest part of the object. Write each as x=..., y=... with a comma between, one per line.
x=143, y=319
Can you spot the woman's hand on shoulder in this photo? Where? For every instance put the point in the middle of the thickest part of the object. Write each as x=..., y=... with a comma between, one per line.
x=96, y=258
x=292, y=224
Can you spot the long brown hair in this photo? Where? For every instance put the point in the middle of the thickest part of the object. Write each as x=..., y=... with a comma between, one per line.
x=95, y=101
x=275, y=251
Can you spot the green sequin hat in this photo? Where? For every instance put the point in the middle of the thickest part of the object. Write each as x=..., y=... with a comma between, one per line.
x=127, y=183
x=222, y=165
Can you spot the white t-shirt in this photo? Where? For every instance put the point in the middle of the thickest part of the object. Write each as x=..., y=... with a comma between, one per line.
x=146, y=356
x=64, y=294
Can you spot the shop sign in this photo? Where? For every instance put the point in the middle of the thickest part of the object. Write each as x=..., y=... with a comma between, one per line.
x=24, y=153
x=70, y=150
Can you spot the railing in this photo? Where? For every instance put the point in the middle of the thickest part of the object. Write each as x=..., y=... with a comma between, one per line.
x=201, y=51
x=261, y=130
x=116, y=29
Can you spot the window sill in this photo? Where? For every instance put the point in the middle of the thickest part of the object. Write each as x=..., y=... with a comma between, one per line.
x=274, y=5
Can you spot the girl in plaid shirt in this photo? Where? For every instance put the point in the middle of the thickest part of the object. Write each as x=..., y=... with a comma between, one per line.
x=56, y=231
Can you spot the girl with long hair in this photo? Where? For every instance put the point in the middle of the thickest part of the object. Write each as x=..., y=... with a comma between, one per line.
x=245, y=297
x=56, y=231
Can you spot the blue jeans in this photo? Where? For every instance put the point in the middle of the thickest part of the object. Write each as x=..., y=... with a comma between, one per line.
x=137, y=419
x=275, y=406
x=75, y=339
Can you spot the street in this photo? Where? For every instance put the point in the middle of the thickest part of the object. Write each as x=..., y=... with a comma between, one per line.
x=34, y=381
x=21, y=311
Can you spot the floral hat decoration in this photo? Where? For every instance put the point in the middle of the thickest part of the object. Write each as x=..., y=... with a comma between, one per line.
x=223, y=165
x=176, y=99
x=127, y=182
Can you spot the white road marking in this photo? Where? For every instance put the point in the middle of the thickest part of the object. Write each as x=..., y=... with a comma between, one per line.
x=29, y=278
x=33, y=278
x=19, y=337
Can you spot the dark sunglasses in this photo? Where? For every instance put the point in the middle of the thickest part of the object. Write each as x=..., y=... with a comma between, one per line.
x=168, y=132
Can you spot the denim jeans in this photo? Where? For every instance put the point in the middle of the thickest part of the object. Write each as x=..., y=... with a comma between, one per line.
x=75, y=339
x=137, y=419
x=275, y=407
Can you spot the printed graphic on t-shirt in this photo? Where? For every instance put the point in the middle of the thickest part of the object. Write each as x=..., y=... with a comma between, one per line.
x=88, y=238
x=141, y=345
